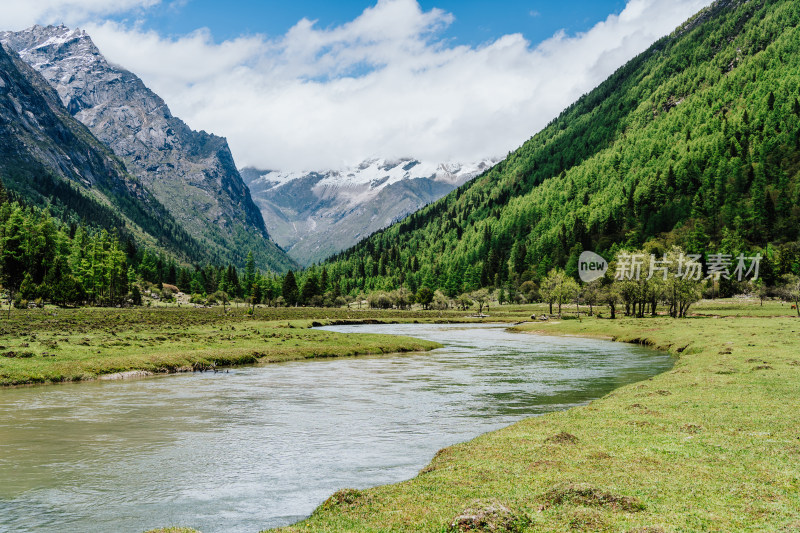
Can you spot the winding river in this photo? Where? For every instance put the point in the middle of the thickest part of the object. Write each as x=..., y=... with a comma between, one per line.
x=262, y=446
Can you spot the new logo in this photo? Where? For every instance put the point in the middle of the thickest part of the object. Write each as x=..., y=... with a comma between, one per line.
x=591, y=267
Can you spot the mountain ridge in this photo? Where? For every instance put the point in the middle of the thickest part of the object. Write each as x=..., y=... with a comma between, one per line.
x=191, y=172
x=50, y=159
x=313, y=215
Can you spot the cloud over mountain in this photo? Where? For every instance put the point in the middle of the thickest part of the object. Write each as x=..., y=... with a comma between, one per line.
x=384, y=84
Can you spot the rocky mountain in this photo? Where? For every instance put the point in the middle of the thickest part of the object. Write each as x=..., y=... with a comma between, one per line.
x=191, y=173
x=313, y=215
x=50, y=159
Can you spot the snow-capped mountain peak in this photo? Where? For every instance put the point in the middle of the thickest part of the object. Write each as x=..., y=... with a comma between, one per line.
x=192, y=173
x=315, y=214
x=382, y=172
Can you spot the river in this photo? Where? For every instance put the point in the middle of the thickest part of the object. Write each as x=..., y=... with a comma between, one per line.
x=262, y=446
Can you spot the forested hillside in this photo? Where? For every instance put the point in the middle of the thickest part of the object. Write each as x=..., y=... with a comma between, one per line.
x=695, y=142
x=44, y=259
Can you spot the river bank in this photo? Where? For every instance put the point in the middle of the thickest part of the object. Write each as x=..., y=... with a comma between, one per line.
x=66, y=345
x=711, y=445
x=87, y=344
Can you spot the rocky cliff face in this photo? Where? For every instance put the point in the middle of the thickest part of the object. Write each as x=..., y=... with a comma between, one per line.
x=316, y=214
x=50, y=159
x=192, y=173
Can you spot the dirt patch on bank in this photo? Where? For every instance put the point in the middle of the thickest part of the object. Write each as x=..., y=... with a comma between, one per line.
x=130, y=374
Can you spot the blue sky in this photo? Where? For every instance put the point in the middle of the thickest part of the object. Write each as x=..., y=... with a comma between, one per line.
x=476, y=21
x=439, y=80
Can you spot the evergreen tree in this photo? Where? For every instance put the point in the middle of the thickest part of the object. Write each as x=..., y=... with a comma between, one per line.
x=290, y=292
x=184, y=281
x=249, y=273
x=255, y=295
x=324, y=282
x=232, y=286
x=12, y=260
x=310, y=289
x=425, y=297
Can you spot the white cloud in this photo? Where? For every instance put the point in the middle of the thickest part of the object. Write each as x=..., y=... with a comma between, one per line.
x=21, y=14
x=385, y=84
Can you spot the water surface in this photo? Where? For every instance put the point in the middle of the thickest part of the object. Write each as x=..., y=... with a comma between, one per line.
x=262, y=446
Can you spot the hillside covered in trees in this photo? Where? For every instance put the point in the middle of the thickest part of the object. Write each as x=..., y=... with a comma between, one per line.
x=695, y=143
x=47, y=158
x=45, y=259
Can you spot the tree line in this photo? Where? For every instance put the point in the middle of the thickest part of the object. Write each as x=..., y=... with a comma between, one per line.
x=45, y=260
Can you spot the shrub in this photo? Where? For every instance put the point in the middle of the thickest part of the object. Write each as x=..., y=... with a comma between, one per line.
x=379, y=300
x=198, y=299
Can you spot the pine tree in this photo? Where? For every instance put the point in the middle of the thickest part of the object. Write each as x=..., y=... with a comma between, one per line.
x=249, y=273
x=323, y=282
x=310, y=289
x=290, y=292
x=12, y=258
x=232, y=282
x=255, y=295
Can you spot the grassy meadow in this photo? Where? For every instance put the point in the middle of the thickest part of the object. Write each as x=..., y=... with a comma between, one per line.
x=57, y=345
x=54, y=345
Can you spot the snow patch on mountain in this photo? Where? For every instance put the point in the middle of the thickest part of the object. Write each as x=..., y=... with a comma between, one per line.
x=382, y=172
x=361, y=183
x=315, y=214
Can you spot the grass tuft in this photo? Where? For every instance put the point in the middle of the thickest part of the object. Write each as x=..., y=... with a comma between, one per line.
x=344, y=498
x=490, y=516
x=589, y=496
x=562, y=438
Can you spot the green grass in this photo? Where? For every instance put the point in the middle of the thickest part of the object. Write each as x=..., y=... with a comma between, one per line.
x=80, y=344
x=712, y=445
x=743, y=307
